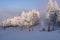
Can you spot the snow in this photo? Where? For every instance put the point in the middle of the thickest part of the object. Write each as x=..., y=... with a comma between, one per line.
x=16, y=34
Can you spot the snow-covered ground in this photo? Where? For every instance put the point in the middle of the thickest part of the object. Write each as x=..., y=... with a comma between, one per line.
x=17, y=34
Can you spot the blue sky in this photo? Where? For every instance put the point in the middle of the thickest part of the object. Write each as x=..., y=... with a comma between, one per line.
x=23, y=4
x=27, y=4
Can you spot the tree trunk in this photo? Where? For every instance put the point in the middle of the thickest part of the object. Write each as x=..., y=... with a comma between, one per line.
x=48, y=27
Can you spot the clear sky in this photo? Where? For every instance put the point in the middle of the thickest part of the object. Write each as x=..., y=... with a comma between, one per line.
x=21, y=4
x=29, y=4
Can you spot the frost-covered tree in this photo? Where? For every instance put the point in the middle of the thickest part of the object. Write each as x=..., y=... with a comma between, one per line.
x=26, y=20
x=52, y=14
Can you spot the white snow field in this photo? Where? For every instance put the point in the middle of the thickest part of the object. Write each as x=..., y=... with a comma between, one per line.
x=16, y=34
